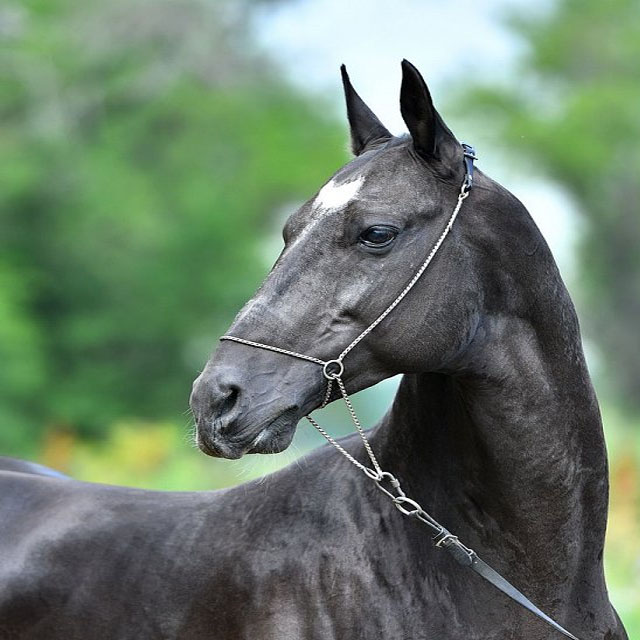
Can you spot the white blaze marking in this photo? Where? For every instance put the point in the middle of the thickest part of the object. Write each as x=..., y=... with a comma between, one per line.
x=334, y=196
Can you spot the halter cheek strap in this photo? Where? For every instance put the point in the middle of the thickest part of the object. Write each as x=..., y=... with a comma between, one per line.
x=333, y=371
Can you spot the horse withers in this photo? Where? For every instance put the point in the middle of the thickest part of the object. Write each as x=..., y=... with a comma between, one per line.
x=495, y=429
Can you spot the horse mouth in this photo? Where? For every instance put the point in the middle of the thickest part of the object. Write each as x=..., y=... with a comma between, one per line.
x=275, y=437
x=216, y=448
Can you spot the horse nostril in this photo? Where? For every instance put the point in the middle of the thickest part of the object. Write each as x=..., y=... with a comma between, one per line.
x=213, y=398
x=227, y=404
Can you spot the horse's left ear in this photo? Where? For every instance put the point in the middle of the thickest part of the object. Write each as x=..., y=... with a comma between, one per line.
x=432, y=138
x=366, y=129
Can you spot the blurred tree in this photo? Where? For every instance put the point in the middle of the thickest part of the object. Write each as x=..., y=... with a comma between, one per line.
x=145, y=145
x=576, y=110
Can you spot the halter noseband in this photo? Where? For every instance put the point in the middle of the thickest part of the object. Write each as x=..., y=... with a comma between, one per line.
x=333, y=371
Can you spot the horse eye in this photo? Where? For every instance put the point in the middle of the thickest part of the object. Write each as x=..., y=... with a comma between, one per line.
x=378, y=236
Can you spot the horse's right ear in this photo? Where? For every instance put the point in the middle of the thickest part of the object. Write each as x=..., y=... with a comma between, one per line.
x=366, y=129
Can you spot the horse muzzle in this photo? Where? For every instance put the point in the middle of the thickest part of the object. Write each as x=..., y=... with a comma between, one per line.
x=227, y=426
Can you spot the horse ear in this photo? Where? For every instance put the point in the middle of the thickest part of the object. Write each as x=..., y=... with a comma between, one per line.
x=431, y=136
x=366, y=129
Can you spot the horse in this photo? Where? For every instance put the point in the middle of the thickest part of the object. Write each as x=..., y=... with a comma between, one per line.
x=495, y=430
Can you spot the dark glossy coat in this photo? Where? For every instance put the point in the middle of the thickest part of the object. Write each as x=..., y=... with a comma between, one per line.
x=495, y=430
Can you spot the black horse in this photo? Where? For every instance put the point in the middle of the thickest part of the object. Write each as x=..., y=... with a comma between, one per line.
x=495, y=430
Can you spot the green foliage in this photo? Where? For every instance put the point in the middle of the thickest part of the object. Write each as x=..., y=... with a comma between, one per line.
x=623, y=531
x=575, y=111
x=145, y=147
x=143, y=156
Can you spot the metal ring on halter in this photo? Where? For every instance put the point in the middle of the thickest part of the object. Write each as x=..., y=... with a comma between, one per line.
x=336, y=374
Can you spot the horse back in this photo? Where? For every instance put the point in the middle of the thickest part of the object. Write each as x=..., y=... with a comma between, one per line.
x=81, y=560
x=25, y=466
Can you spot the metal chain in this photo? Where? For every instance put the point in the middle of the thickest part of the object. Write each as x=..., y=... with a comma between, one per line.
x=358, y=426
x=327, y=395
x=369, y=472
x=399, y=498
x=286, y=352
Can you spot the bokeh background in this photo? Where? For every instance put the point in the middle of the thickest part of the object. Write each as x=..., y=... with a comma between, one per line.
x=151, y=149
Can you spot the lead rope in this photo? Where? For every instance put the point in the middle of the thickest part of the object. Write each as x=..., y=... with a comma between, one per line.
x=333, y=371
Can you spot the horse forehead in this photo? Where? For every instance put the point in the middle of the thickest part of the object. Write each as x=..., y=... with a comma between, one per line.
x=337, y=194
x=386, y=175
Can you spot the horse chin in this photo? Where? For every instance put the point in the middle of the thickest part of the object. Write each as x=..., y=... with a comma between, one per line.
x=275, y=437
x=218, y=449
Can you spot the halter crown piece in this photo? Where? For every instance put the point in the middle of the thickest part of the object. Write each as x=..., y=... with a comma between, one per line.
x=333, y=371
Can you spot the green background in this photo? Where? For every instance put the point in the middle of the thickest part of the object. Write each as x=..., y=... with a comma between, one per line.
x=149, y=153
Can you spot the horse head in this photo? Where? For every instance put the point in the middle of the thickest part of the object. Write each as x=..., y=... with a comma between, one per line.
x=349, y=251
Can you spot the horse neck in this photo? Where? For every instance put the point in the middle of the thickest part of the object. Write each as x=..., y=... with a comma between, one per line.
x=506, y=449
